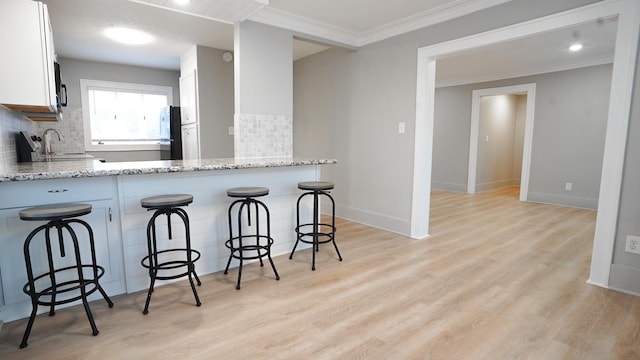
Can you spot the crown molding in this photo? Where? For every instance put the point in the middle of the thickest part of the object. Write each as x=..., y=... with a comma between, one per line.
x=430, y=17
x=307, y=28
x=224, y=11
x=317, y=30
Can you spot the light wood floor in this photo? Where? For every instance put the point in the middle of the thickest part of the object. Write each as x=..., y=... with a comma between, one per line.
x=498, y=279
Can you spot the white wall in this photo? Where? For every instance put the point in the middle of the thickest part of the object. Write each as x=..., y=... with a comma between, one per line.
x=518, y=145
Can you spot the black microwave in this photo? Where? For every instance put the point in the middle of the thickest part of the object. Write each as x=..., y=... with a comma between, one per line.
x=61, y=89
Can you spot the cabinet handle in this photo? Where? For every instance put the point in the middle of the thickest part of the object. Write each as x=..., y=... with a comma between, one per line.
x=58, y=191
x=110, y=216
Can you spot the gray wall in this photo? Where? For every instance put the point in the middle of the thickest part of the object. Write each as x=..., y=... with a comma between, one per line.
x=71, y=128
x=215, y=90
x=452, y=130
x=377, y=88
x=264, y=55
x=359, y=98
x=568, y=137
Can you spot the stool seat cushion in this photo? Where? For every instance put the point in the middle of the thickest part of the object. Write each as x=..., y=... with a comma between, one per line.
x=245, y=192
x=315, y=185
x=168, y=200
x=55, y=211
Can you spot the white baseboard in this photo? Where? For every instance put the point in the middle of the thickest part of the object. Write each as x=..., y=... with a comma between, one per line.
x=570, y=201
x=494, y=185
x=379, y=221
x=625, y=279
x=445, y=186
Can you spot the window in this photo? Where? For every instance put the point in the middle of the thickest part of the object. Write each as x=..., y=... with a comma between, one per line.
x=123, y=116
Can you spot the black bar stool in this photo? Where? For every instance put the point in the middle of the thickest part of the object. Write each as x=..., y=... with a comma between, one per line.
x=161, y=260
x=314, y=235
x=75, y=283
x=243, y=243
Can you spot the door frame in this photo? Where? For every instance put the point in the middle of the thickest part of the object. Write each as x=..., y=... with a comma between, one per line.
x=526, y=89
x=620, y=99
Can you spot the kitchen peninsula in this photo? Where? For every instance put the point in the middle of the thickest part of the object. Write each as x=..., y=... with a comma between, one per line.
x=119, y=222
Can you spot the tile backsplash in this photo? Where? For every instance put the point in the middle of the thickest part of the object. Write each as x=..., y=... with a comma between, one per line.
x=71, y=128
x=263, y=136
x=10, y=124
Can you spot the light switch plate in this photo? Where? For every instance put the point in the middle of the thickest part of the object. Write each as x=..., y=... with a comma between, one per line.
x=401, y=128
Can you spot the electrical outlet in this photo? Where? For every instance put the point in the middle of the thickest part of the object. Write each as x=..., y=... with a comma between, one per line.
x=633, y=245
x=568, y=186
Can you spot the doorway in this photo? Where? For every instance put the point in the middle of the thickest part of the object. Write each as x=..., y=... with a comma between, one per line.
x=617, y=120
x=526, y=90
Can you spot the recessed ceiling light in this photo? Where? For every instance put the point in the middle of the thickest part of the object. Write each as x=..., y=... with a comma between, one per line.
x=128, y=36
x=575, y=47
x=182, y=2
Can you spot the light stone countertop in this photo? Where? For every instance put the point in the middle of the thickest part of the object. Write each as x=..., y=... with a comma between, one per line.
x=94, y=168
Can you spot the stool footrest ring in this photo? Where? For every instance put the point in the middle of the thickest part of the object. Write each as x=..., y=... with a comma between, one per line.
x=62, y=288
x=173, y=264
x=237, y=252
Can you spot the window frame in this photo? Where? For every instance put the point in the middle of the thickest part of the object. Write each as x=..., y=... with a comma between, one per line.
x=87, y=84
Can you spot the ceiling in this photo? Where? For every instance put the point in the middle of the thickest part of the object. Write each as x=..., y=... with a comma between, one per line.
x=78, y=27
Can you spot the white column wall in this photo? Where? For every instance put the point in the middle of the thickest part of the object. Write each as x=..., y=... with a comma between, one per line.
x=263, y=91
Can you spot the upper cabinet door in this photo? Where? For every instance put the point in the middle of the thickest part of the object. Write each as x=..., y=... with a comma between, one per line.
x=27, y=71
x=188, y=99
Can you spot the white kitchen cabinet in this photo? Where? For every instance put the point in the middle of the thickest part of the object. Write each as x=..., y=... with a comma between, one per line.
x=27, y=71
x=207, y=98
x=104, y=219
x=188, y=98
x=190, y=142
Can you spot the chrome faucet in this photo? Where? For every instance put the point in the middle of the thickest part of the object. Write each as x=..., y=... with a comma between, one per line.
x=47, y=142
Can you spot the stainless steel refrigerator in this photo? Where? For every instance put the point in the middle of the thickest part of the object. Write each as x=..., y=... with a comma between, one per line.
x=171, y=124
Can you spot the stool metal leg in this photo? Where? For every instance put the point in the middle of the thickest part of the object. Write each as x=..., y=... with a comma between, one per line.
x=226, y=269
x=191, y=271
x=94, y=261
x=52, y=273
x=333, y=223
x=238, y=251
x=153, y=258
x=315, y=247
x=30, y=287
x=152, y=249
x=297, y=227
x=269, y=240
x=315, y=225
x=76, y=248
